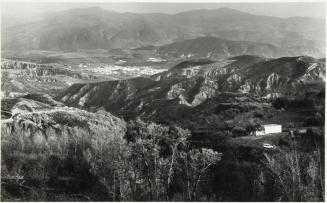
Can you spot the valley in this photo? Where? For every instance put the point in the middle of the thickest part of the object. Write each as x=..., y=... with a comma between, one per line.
x=98, y=105
x=48, y=106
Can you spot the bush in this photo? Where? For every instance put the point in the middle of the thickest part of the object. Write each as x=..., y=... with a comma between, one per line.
x=258, y=114
x=280, y=103
x=239, y=132
x=316, y=120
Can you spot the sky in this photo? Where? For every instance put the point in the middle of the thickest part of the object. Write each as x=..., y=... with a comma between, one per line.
x=283, y=10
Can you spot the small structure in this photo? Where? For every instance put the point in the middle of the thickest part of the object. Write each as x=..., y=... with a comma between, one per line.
x=269, y=129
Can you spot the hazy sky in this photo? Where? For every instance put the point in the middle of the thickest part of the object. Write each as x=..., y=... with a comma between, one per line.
x=284, y=10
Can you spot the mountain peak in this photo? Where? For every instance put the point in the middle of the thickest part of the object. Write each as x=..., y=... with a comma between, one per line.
x=227, y=9
x=90, y=10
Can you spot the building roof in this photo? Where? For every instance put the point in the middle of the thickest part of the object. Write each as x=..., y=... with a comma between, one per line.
x=267, y=125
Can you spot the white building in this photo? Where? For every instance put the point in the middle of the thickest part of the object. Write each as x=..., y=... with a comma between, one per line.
x=269, y=129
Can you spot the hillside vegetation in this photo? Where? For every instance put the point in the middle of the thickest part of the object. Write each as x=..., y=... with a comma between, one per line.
x=53, y=153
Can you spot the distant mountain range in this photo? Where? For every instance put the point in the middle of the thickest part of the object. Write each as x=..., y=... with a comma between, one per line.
x=208, y=47
x=94, y=28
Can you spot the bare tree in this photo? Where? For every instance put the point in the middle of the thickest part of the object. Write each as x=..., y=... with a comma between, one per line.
x=196, y=164
x=297, y=174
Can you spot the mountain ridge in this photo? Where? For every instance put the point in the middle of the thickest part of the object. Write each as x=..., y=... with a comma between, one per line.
x=92, y=28
x=192, y=84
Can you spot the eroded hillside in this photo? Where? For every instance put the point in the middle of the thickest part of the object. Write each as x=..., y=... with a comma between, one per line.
x=191, y=83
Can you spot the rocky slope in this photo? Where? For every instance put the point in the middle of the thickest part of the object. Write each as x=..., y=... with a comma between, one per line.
x=33, y=70
x=21, y=77
x=189, y=84
x=41, y=117
x=94, y=28
x=275, y=76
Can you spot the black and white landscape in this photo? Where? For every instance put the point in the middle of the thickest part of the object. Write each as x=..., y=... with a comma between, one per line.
x=201, y=105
